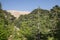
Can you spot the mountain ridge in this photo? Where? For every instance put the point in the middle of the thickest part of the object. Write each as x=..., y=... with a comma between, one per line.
x=17, y=13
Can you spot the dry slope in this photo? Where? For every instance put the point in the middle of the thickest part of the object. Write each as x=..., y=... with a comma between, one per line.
x=18, y=13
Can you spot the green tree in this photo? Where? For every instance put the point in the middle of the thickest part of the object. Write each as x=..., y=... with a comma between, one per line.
x=0, y=6
x=6, y=27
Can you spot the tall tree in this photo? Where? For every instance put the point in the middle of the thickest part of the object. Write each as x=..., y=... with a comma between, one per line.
x=0, y=6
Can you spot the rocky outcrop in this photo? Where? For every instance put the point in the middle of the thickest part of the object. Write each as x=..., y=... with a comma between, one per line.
x=18, y=13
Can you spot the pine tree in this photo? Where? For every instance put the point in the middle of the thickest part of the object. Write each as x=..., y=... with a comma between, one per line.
x=0, y=6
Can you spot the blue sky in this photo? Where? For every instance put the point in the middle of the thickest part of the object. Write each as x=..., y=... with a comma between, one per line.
x=28, y=5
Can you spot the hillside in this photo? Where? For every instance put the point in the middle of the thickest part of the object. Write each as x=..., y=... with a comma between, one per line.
x=18, y=13
x=40, y=24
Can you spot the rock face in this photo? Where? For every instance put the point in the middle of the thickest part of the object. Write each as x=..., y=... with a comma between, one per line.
x=18, y=13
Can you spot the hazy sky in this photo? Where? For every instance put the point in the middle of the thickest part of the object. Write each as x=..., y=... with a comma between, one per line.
x=28, y=5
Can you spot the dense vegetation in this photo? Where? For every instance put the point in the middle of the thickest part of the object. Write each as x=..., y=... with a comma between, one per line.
x=40, y=24
x=6, y=25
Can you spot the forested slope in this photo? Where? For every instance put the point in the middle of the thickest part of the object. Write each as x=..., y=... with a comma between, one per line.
x=6, y=24
x=40, y=24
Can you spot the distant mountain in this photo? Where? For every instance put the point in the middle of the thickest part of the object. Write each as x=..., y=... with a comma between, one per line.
x=18, y=13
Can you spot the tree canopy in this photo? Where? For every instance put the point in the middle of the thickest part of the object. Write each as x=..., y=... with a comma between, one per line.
x=40, y=24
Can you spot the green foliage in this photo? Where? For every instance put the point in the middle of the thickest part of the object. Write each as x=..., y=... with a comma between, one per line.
x=6, y=27
x=40, y=22
x=0, y=6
